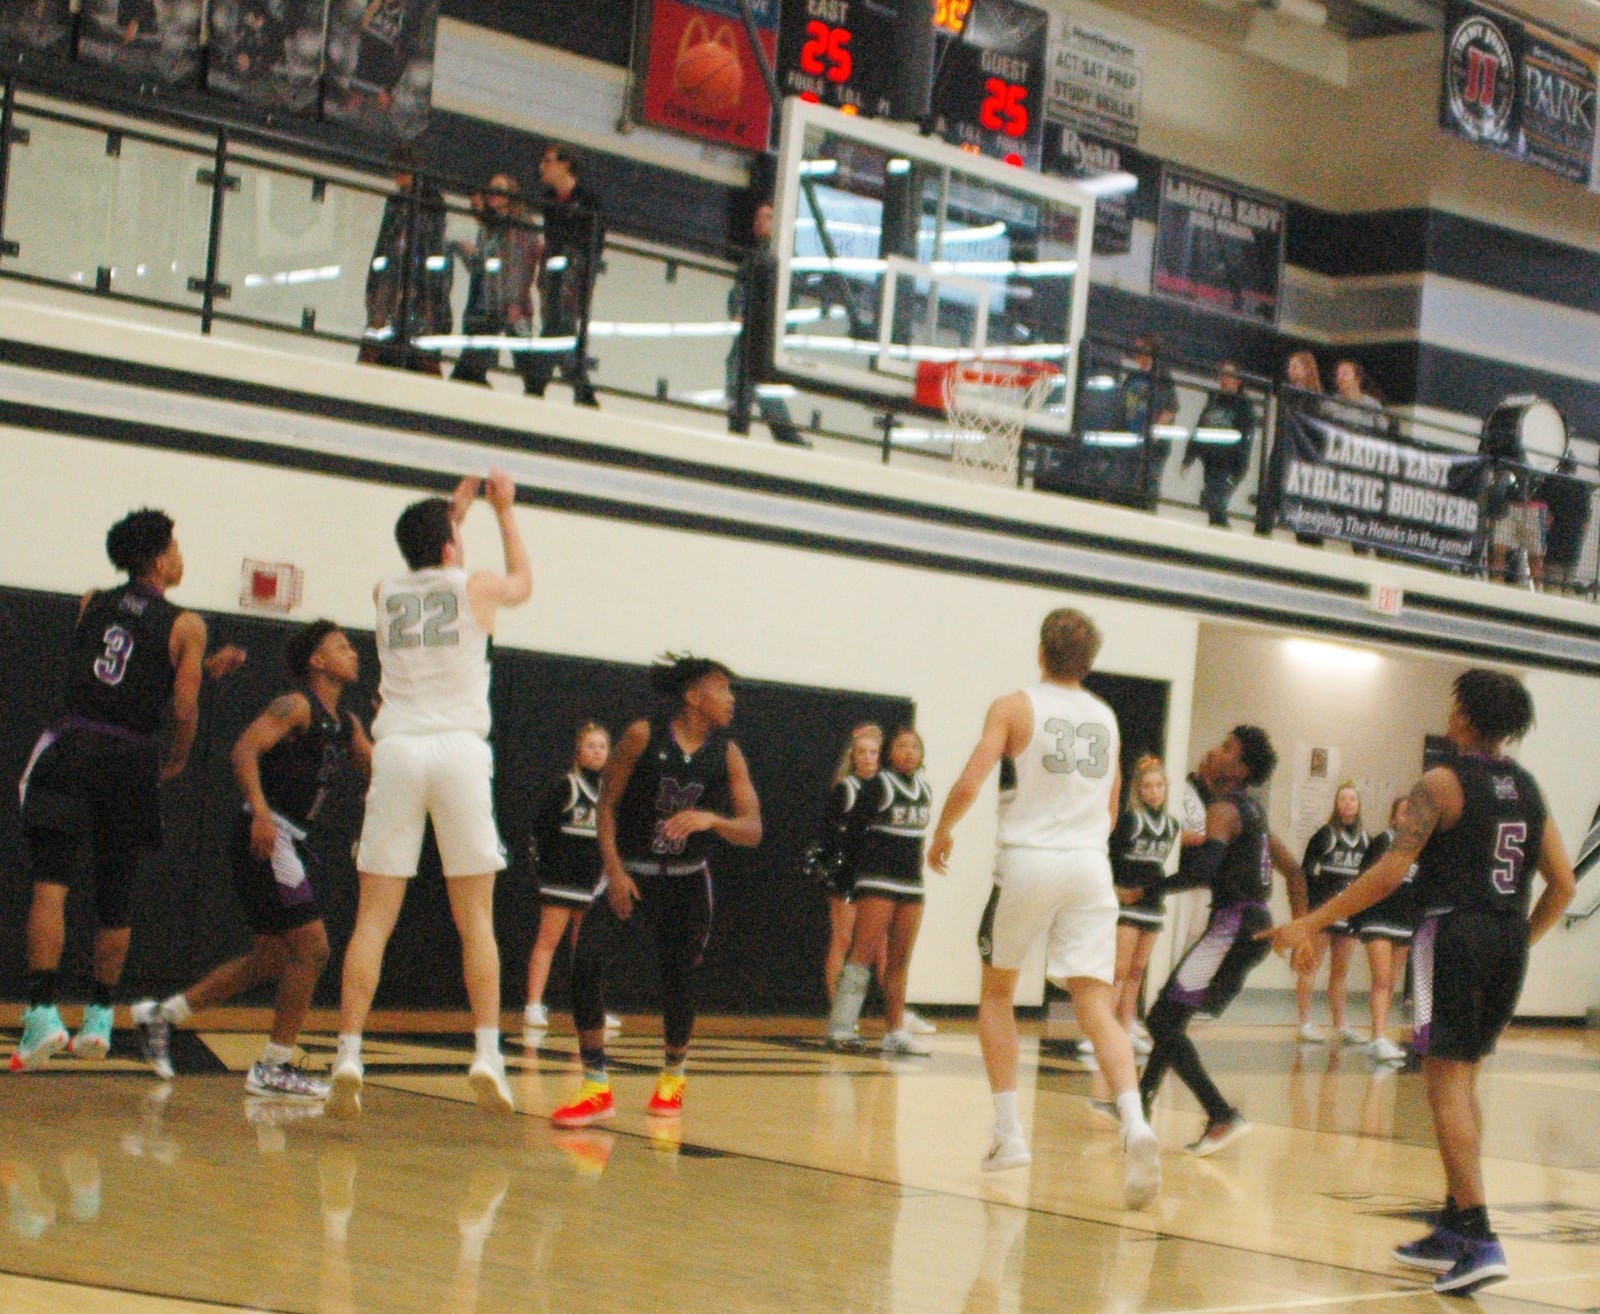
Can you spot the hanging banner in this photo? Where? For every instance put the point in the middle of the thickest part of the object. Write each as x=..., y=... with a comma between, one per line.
x=1096, y=82
x=268, y=52
x=144, y=40
x=37, y=24
x=380, y=65
x=1071, y=154
x=1219, y=246
x=701, y=76
x=1338, y=482
x=1520, y=90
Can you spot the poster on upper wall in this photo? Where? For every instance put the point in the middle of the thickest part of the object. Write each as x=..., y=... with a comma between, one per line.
x=701, y=75
x=268, y=52
x=144, y=40
x=1520, y=90
x=37, y=24
x=1096, y=81
x=380, y=65
x=1071, y=154
x=1219, y=245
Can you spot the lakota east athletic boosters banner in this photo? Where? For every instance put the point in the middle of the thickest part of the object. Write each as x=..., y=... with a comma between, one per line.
x=1520, y=90
x=1348, y=485
x=703, y=78
x=1218, y=246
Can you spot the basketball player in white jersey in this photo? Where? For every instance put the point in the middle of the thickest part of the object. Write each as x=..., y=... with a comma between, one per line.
x=1053, y=874
x=431, y=758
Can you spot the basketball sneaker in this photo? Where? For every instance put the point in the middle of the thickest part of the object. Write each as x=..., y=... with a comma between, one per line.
x=1141, y=1170
x=667, y=1099
x=1142, y=1045
x=1480, y=1263
x=1006, y=1152
x=1348, y=1036
x=918, y=1025
x=93, y=1040
x=613, y=1022
x=844, y=1040
x=1311, y=1034
x=285, y=1081
x=1219, y=1134
x=904, y=1043
x=593, y=1104
x=155, y=1037
x=1437, y=1251
x=344, y=1095
x=489, y=1087
x=535, y=1017
x=1384, y=1050
x=42, y=1036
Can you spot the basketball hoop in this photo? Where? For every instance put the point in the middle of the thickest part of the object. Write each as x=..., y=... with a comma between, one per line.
x=989, y=402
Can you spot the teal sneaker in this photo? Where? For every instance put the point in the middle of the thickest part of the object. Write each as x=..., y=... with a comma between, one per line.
x=93, y=1040
x=42, y=1036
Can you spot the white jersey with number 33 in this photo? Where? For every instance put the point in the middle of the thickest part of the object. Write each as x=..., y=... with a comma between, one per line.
x=1064, y=776
x=433, y=657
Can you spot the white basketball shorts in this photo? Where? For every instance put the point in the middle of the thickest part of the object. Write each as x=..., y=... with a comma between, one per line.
x=448, y=777
x=1064, y=894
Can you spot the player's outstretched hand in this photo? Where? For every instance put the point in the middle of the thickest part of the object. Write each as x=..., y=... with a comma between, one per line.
x=1296, y=939
x=225, y=661
x=501, y=490
x=462, y=499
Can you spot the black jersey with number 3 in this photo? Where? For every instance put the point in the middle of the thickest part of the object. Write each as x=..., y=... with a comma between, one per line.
x=666, y=781
x=119, y=663
x=1486, y=861
x=297, y=770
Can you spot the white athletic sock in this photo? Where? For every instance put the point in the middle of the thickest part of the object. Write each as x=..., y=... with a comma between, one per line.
x=275, y=1056
x=176, y=1010
x=1132, y=1111
x=349, y=1048
x=1005, y=1113
x=851, y=994
x=488, y=1042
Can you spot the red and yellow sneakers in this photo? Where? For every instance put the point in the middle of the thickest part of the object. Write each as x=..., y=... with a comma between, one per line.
x=593, y=1104
x=667, y=1102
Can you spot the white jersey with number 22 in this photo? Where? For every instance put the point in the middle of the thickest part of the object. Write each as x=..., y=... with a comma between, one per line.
x=433, y=657
x=1065, y=774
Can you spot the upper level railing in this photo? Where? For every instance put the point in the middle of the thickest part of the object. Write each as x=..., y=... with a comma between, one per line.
x=187, y=218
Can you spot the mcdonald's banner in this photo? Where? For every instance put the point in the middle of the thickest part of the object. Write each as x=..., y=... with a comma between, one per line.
x=703, y=78
x=1519, y=89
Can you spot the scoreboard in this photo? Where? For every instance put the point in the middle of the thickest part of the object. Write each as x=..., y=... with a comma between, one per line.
x=989, y=67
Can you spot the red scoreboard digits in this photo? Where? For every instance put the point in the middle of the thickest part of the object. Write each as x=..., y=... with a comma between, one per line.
x=826, y=52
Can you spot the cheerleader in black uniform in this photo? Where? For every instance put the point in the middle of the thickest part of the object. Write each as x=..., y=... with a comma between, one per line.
x=1333, y=859
x=840, y=843
x=1386, y=929
x=566, y=854
x=1140, y=847
x=888, y=896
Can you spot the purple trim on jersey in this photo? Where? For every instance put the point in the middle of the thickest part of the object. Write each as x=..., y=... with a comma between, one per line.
x=1194, y=975
x=72, y=721
x=289, y=877
x=1423, y=944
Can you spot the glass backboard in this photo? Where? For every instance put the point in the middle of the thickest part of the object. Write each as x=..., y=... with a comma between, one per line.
x=894, y=249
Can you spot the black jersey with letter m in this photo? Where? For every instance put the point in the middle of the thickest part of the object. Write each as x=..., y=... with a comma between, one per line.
x=119, y=662
x=1486, y=861
x=666, y=781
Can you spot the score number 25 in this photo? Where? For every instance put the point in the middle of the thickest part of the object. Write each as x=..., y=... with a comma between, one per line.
x=826, y=52
x=1004, y=108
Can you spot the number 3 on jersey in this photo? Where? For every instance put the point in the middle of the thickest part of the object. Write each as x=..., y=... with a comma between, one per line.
x=1085, y=749
x=112, y=663
x=432, y=612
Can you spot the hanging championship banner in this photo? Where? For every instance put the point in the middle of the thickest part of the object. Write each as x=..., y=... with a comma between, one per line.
x=380, y=65
x=1096, y=82
x=144, y=40
x=1520, y=90
x=1219, y=246
x=37, y=24
x=1339, y=482
x=268, y=52
x=701, y=76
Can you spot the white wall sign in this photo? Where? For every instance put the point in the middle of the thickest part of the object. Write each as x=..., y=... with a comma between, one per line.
x=1096, y=81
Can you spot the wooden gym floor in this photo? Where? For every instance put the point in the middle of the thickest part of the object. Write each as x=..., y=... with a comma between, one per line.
x=798, y=1181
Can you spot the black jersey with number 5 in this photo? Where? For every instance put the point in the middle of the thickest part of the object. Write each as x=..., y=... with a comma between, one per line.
x=119, y=663
x=1486, y=861
x=666, y=781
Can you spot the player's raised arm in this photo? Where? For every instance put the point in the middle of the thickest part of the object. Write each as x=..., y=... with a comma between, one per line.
x=490, y=590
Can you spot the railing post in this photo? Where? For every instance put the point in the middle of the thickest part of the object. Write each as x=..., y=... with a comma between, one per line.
x=219, y=184
x=8, y=106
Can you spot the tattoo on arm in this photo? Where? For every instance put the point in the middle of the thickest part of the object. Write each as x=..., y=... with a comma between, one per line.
x=283, y=707
x=1417, y=820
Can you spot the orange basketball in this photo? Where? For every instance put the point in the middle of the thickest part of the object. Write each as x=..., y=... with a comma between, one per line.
x=708, y=75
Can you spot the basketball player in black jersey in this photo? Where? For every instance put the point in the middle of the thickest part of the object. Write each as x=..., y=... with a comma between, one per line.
x=95, y=775
x=1476, y=828
x=673, y=782
x=284, y=763
x=1236, y=862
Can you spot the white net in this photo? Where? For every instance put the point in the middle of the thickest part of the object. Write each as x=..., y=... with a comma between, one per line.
x=989, y=402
